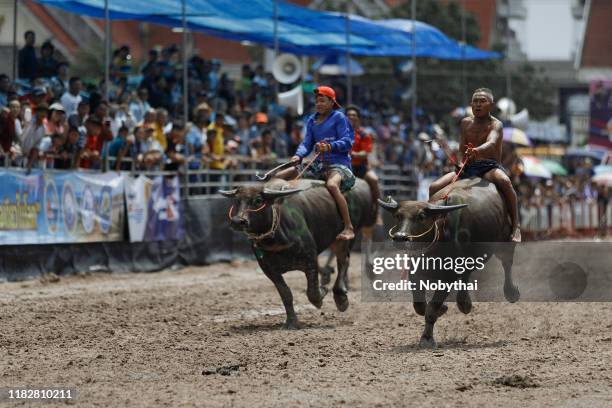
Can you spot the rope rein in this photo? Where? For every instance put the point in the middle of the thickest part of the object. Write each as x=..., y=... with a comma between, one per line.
x=457, y=175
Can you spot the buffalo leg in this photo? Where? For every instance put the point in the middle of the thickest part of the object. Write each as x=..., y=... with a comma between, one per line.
x=287, y=298
x=511, y=291
x=341, y=249
x=314, y=291
x=419, y=303
x=435, y=308
x=464, y=302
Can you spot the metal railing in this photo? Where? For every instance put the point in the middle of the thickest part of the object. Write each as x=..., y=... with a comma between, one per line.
x=198, y=178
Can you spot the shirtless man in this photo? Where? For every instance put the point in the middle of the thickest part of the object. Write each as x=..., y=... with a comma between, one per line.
x=484, y=133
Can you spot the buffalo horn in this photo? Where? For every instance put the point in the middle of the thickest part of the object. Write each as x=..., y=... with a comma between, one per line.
x=442, y=209
x=273, y=194
x=389, y=205
x=228, y=193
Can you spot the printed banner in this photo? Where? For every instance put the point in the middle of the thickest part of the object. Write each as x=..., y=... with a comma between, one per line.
x=154, y=212
x=60, y=207
x=600, y=93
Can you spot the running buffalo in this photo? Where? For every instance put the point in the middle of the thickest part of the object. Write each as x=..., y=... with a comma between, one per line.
x=472, y=212
x=290, y=223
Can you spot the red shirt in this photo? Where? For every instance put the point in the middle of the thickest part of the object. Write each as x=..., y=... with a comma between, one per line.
x=361, y=144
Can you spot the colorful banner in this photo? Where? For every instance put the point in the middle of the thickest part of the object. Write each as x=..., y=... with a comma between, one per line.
x=153, y=205
x=600, y=94
x=45, y=207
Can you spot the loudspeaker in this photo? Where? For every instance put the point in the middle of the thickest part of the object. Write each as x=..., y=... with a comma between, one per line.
x=287, y=68
x=293, y=98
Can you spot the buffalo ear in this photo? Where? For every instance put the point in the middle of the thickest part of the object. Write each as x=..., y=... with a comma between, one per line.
x=432, y=209
x=389, y=205
x=228, y=193
x=270, y=194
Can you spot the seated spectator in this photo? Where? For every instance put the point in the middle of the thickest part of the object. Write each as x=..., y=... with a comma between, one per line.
x=90, y=156
x=196, y=137
x=149, y=153
x=149, y=119
x=120, y=116
x=71, y=99
x=122, y=146
x=33, y=135
x=176, y=151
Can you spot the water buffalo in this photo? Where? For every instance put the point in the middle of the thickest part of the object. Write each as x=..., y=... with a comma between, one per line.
x=289, y=224
x=474, y=212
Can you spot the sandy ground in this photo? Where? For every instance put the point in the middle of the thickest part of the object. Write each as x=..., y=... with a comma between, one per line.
x=212, y=337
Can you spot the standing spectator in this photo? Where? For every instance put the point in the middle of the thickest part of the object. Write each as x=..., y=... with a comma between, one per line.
x=47, y=65
x=262, y=149
x=140, y=104
x=10, y=127
x=28, y=63
x=106, y=133
x=77, y=119
x=120, y=147
x=50, y=148
x=69, y=151
x=33, y=135
x=5, y=86
x=213, y=76
x=89, y=157
x=60, y=83
x=176, y=151
x=161, y=127
x=151, y=61
x=71, y=99
x=56, y=120
x=148, y=152
x=196, y=138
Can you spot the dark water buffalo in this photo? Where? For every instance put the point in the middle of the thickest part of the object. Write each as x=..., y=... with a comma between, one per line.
x=290, y=224
x=474, y=212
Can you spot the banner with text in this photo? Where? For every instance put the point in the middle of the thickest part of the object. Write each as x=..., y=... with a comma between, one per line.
x=40, y=207
x=154, y=212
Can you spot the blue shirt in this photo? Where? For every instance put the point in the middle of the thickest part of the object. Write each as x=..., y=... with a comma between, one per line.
x=335, y=130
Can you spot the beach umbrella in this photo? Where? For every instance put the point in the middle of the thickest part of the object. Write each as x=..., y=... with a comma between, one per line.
x=533, y=167
x=516, y=136
x=336, y=65
x=554, y=167
x=603, y=179
x=603, y=168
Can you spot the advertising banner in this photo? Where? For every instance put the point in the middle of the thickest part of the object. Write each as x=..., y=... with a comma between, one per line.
x=600, y=122
x=154, y=212
x=46, y=207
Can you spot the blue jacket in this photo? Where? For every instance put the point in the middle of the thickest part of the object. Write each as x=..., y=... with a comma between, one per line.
x=337, y=131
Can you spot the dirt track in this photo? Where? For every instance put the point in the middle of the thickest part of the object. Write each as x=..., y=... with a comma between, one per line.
x=145, y=340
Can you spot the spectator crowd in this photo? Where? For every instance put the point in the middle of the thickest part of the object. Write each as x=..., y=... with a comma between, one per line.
x=50, y=118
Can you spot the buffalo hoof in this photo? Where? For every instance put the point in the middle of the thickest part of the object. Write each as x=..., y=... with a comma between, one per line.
x=511, y=292
x=326, y=272
x=427, y=343
x=464, y=303
x=419, y=308
x=342, y=302
x=291, y=325
x=443, y=309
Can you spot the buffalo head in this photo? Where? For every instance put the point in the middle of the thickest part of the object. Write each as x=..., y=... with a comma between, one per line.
x=414, y=220
x=251, y=209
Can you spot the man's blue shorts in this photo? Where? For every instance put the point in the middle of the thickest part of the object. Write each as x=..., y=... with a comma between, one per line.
x=479, y=168
x=319, y=171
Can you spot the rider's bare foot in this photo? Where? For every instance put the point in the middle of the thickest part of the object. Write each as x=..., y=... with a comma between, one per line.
x=347, y=234
x=516, y=235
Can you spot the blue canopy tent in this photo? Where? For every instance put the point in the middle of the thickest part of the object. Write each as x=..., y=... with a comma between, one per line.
x=279, y=25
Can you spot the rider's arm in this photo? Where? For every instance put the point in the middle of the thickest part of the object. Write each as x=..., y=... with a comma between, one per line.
x=307, y=144
x=487, y=149
x=345, y=136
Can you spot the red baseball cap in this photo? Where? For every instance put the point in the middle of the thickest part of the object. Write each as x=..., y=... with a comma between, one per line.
x=329, y=92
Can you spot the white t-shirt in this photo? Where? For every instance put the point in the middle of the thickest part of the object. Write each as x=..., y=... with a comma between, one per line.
x=70, y=103
x=32, y=137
